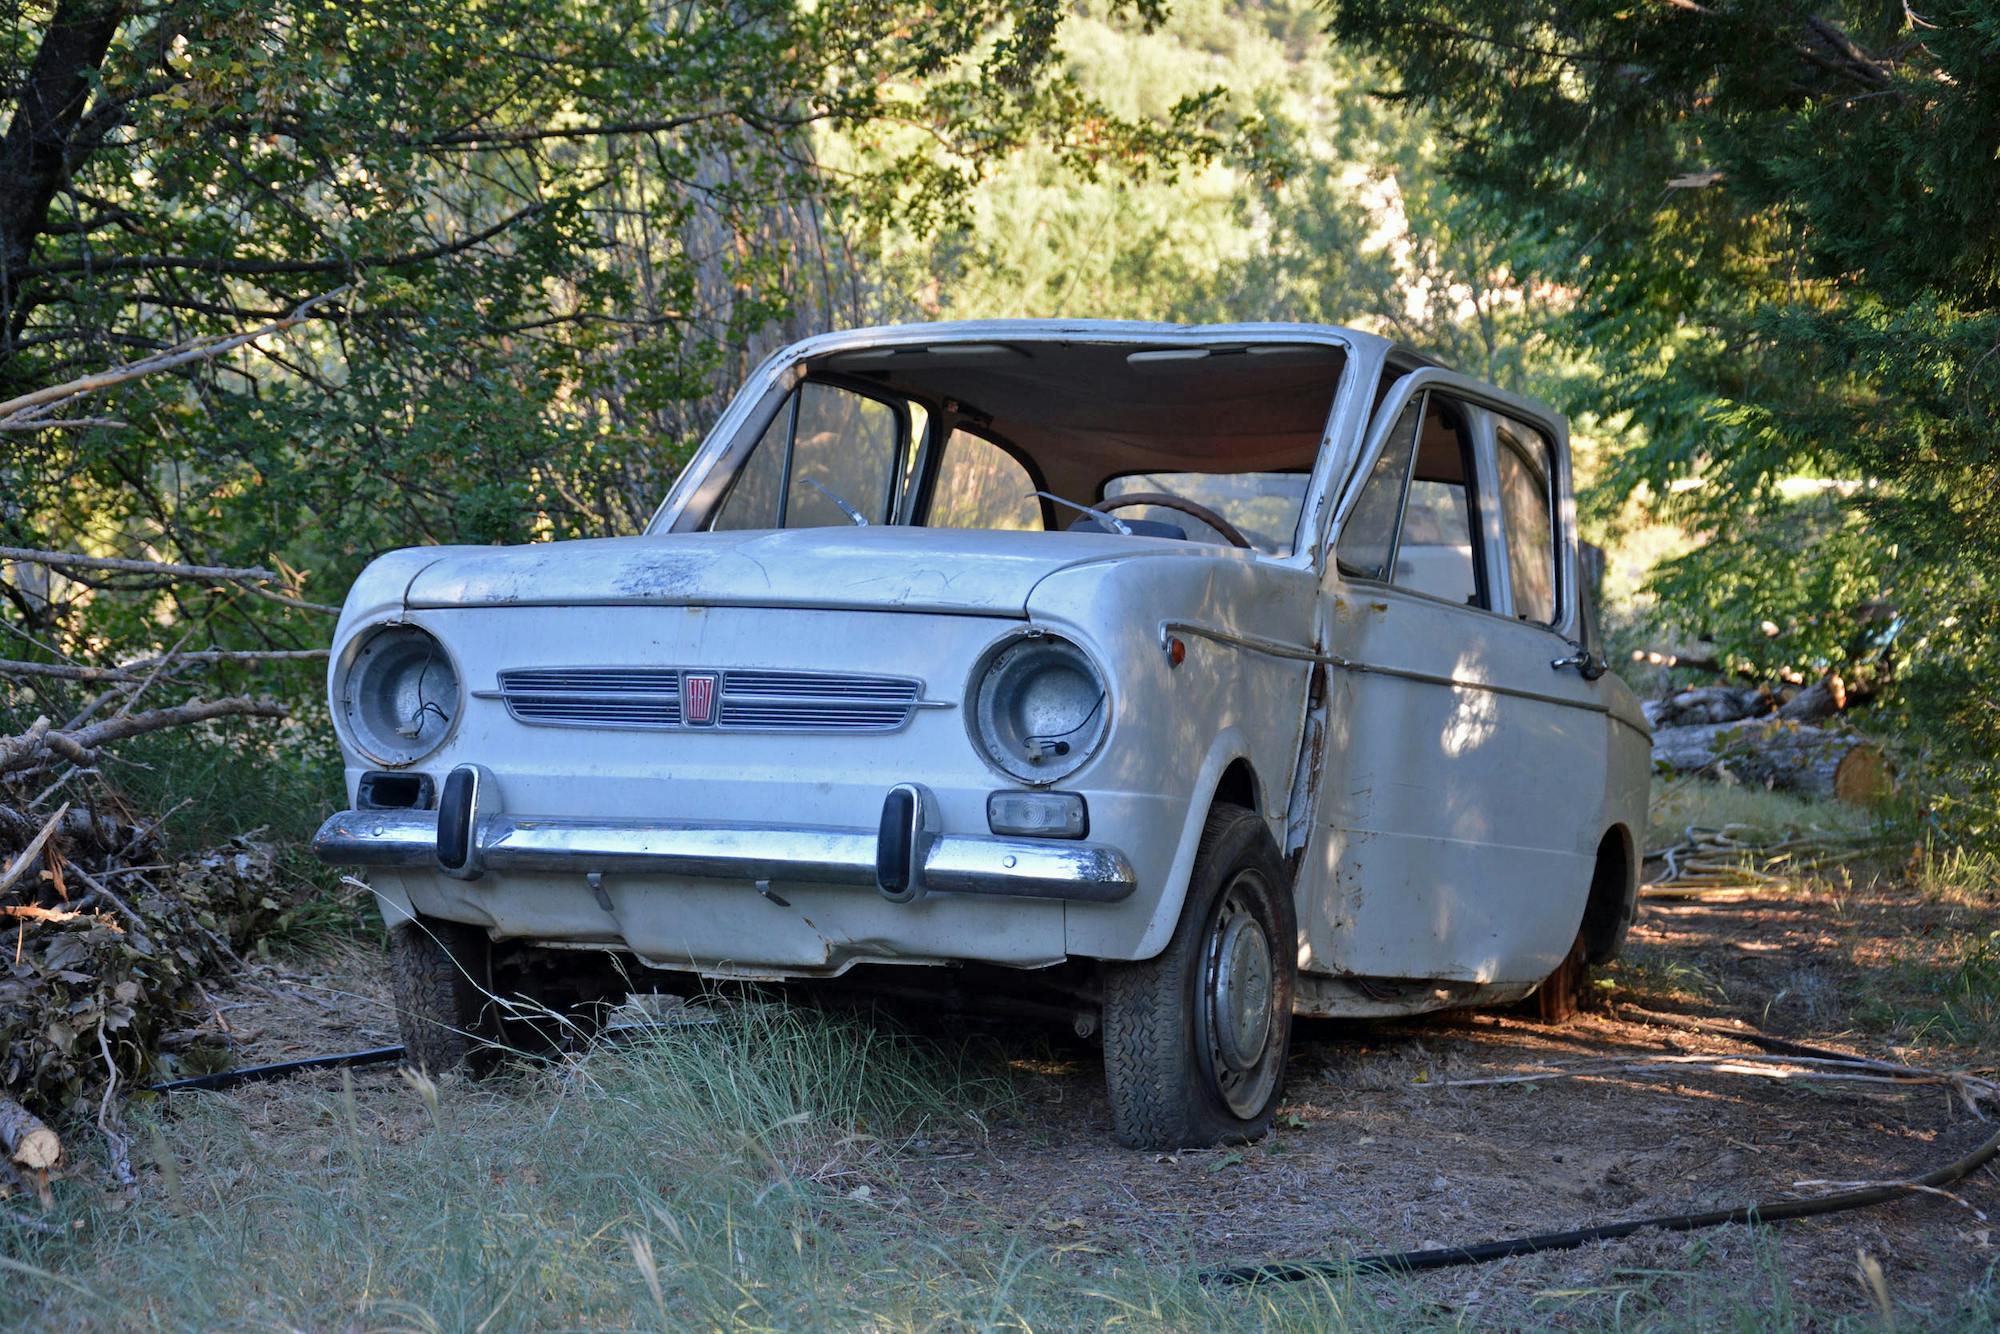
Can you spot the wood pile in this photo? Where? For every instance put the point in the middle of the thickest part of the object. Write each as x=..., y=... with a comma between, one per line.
x=1788, y=743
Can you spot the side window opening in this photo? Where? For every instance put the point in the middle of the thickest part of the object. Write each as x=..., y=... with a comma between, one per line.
x=1438, y=552
x=980, y=485
x=1527, y=512
x=1416, y=522
x=1368, y=538
x=825, y=442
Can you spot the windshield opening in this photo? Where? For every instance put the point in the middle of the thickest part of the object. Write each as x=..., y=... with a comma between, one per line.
x=1186, y=443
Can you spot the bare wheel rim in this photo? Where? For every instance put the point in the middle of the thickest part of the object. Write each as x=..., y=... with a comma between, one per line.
x=1238, y=983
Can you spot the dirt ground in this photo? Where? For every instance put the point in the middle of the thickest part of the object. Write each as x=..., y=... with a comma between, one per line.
x=1380, y=1148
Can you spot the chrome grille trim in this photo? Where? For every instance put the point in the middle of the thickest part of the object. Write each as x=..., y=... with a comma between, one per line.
x=747, y=699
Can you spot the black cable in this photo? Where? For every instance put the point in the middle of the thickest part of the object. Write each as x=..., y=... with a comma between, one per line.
x=1776, y=1211
x=1057, y=736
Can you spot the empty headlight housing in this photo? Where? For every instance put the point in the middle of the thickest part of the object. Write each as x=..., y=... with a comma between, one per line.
x=398, y=696
x=1039, y=707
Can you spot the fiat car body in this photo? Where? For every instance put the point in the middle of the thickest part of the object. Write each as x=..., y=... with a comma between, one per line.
x=1171, y=679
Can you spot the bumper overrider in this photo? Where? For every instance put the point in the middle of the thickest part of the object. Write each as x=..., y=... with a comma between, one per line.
x=903, y=858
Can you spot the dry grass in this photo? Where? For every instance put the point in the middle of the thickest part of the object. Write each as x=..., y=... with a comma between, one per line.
x=759, y=1167
x=740, y=1171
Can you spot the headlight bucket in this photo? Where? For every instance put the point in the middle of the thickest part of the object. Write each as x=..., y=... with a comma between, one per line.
x=398, y=696
x=1039, y=708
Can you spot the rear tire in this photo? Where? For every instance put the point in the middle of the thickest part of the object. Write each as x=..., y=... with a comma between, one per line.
x=1560, y=996
x=438, y=973
x=1195, y=1040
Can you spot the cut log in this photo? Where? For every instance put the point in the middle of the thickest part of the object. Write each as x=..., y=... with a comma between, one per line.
x=1709, y=704
x=1817, y=702
x=1699, y=657
x=29, y=1142
x=1784, y=756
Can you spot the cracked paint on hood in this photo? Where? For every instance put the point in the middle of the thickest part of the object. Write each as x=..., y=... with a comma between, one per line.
x=893, y=568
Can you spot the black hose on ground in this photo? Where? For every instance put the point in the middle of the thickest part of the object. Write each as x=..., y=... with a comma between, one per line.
x=251, y=1074
x=1776, y=1211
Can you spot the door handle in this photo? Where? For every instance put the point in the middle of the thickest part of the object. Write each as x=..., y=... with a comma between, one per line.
x=1588, y=665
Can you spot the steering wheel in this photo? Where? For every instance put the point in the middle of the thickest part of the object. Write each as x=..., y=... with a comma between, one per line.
x=1167, y=502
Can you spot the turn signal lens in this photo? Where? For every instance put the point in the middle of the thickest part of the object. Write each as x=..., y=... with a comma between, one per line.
x=1038, y=814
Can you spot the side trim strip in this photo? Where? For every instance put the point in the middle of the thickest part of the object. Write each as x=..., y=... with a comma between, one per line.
x=1300, y=653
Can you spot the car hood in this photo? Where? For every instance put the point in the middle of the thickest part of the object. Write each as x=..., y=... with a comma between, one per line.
x=878, y=567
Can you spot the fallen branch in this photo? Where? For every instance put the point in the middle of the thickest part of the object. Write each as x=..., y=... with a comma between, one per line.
x=28, y=1142
x=1856, y=1070
x=98, y=888
x=1788, y=756
x=30, y=913
x=30, y=409
x=16, y=751
x=33, y=852
x=249, y=578
x=80, y=746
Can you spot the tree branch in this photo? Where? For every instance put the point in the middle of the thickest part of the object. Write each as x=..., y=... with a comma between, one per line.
x=35, y=405
x=249, y=579
x=138, y=671
x=273, y=267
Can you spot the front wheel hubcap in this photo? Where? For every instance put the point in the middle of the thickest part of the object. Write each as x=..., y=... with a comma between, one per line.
x=1238, y=982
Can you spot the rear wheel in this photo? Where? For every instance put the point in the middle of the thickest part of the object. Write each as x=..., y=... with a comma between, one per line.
x=1195, y=1040
x=1561, y=994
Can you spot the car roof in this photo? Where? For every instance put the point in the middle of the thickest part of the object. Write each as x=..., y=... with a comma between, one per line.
x=1134, y=331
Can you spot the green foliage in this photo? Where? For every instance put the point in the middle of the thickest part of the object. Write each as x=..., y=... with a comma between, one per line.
x=561, y=232
x=1779, y=227
x=1324, y=207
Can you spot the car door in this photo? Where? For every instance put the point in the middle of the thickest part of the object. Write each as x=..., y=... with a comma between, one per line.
x=1453, y=836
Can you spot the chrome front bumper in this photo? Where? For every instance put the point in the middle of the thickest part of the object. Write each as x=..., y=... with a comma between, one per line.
x=902, y=862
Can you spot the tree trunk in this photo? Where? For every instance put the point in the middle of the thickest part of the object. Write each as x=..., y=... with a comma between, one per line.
x=1786, y=757
x=34, y=156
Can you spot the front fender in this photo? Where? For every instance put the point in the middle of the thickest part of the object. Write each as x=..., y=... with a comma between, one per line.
x=1228, y=747
x=1139, y=927
x=1177, y=729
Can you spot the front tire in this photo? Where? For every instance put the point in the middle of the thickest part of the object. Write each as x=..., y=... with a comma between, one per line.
x=1195, y=1040
x=438, y=974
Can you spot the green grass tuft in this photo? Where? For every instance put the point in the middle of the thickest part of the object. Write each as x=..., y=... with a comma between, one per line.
x=1681, y=802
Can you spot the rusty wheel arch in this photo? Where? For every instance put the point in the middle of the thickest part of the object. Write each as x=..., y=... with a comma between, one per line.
x=1613, y=901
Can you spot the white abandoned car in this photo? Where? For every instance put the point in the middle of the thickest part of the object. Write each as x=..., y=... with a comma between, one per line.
x=1181, y=679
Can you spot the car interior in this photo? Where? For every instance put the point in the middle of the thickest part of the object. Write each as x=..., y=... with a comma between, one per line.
x=1208, y=444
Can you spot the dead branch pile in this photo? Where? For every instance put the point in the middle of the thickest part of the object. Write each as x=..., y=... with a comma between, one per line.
x=107, y=929
x=1734, y=861
x=111, y=937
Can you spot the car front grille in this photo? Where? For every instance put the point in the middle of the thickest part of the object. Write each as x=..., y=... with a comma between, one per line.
x=745, y=700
